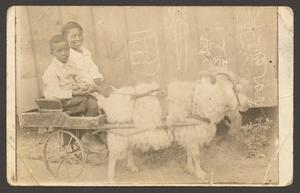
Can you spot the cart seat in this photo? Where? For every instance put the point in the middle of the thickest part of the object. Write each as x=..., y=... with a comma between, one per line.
x=54, y=105
x=49, y=105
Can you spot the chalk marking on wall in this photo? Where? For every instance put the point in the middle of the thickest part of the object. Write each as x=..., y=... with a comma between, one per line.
x=206, y=47
x=141, y=37
x=252, y=50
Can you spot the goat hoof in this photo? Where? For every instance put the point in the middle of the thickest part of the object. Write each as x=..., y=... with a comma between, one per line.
x=188, y=169
x=133, y=169
x=202, y=175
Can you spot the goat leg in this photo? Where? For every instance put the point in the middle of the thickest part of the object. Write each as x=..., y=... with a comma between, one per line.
x=198, y=170
x=189, y=167
x=130, y=162
x=111, y=167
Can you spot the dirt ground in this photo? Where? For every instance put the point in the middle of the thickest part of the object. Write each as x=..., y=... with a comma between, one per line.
x=226, y=162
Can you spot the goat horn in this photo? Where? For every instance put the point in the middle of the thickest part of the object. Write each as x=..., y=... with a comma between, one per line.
x=228, y=77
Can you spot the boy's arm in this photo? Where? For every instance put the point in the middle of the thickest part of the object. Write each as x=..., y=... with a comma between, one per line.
x=82, y=91
x=94, y=72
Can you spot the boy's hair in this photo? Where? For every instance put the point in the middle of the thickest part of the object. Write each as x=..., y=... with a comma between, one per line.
x=70, y=25
x=56, y=39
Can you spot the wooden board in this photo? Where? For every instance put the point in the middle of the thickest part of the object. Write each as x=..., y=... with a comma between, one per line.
x=138, y=44
x=60, y=119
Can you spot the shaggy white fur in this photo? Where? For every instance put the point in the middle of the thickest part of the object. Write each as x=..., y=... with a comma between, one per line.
x=143, y=112
x=203, y=97
x=118, y=107
x=146, y=112
x=199, y=98
x=179, y=101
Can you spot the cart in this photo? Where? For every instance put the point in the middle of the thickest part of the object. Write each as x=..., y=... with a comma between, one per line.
x=64, y=154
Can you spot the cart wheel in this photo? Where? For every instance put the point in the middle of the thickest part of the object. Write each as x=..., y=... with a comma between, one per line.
x=64, y=155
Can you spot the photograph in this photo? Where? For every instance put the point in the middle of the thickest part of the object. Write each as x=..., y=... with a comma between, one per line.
x=150, y=96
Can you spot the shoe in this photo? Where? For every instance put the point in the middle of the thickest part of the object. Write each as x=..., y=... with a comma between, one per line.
x=92, y=143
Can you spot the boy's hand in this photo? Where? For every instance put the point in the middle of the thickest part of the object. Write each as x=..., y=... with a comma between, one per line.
x=91, y=87
x=80, y=91
x=108, y=88
x=83, y=89
x=90, y=90
x=103, y=91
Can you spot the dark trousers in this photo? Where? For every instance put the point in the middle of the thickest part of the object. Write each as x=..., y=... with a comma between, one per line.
x=80, y=106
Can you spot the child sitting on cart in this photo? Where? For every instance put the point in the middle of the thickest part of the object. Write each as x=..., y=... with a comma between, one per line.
x=81, y=57
x=60, y=82
x=63, y=80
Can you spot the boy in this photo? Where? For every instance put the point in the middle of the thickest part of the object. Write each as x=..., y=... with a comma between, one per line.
x=63, y=81
x=82, y=58
x=59, y=81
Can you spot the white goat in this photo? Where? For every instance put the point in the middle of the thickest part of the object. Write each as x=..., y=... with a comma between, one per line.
x=209, y=98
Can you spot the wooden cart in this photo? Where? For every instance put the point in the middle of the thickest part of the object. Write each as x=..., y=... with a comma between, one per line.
x=64, y=153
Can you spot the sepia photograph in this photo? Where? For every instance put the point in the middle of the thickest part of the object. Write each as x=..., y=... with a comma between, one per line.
x=150, y=96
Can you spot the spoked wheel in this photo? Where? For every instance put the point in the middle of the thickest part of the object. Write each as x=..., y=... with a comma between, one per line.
x=64, y=155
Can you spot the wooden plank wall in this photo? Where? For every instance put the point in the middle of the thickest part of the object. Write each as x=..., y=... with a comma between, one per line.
x=134, y=44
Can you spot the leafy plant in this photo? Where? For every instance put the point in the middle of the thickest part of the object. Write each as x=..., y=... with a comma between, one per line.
x=254, y=136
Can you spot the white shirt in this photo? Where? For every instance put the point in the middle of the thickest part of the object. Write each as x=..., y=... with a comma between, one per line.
x=58, y=80
x=83, y=61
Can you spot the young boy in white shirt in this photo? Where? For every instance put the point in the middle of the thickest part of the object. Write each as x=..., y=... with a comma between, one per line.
x=62, y=80
x=59, y=81
x=82, y=58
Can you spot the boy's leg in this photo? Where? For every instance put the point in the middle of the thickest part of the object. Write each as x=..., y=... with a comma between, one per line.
x=92, y=107
x=86, y=105
x=76, y=105
x=91, y=111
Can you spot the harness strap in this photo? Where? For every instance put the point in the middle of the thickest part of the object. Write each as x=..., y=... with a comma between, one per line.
x=136, y=96
x=238, y=99
x=198, y=117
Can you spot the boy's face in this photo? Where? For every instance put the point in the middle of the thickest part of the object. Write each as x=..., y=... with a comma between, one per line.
x=75, y=38
x=61, y=51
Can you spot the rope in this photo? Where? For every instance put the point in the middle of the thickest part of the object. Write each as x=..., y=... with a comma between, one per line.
x=126, y=135
x=135, y=96
x=165, y=127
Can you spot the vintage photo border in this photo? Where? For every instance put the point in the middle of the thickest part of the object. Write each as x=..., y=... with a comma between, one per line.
x=285, y=80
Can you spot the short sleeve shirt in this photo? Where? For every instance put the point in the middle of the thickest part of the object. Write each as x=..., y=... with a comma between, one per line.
x=58, y=80
x=84, y=62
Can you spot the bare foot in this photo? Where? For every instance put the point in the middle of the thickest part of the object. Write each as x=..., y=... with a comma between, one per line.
x=201, y=175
